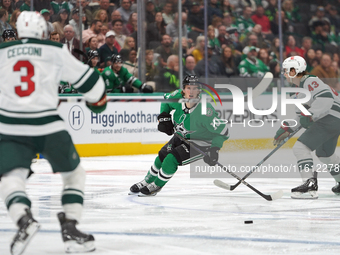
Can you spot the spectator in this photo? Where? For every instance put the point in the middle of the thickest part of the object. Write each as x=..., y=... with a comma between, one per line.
x=101, y=15
x=17, y=4
x=195, y=21
x=213, y=41
x=274, y=25
x=226, y=7
x=129, y=44
x=291, y=12
x=249, y=3
x=275, y=49
x=261, y=38
x=275, y=69
x=7, y=5
x=310, y=60
x=131, y=25
x=105, y=5
x=167, y=14
x=54, y=36
x=251, y=66
x=70, y=40
x=131, y=63
x=216, y=22
x=74, y=22
x=186, y=49
x=26, y=6
x=108, y=49
x=168, y=76
x=264, y=56
x=86, y=11
x=325, y=72
x=14, y=18
x=61, y=22
x=199, y=49
x=58, y=5
x=150, y=68
x=117, y=27
x=214, y=10
x=319, y=17
x=41, y=4
x=47, y=16
x=3, y=22
x=155, y=31
x=94, y=31
x=228, y=63
x=93, y=45
x=190, y=65
x=306, y=44
x=291, y=46
x=164, y=51
x=213, y=66
x=334, y=18
x=172, y=27
x=319, y=35
x=244, y=23
x=261, y=19
x=318, y=54
x=125, y=10
x=150, y=12
x=336, y=69
x=225, y=38
x=336, y=58
x=271, y=10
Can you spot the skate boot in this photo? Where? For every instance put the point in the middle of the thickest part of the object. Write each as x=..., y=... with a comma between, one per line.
x=307, y=190
x=135, y=188
x=150, y=190
x=74, y=240
x=336, y=189
x=27, y=228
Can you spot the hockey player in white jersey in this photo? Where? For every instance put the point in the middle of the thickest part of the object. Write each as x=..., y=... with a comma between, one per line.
x=30, y=71
x=322, y=128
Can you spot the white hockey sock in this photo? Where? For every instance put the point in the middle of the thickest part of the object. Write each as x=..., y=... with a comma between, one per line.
x=304, y=160
x=333, y=165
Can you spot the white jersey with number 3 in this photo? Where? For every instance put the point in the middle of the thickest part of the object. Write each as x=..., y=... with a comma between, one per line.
x=30, y=71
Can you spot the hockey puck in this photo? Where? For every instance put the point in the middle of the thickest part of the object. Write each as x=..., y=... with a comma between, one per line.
x=248, y=222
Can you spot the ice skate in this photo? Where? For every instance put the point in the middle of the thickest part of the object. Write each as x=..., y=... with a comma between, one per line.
x=27, y=229
x=336, y=189
x=74, y=240
x=307, y=190
x=135, y=188
x=150, y=190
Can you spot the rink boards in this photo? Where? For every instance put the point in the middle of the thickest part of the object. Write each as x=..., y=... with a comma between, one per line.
x=129, y=127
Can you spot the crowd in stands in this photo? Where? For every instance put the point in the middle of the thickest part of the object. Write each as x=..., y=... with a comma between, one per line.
x=242, y=35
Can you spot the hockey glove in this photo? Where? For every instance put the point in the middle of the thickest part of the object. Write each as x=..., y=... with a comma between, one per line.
x=165, y=124
x=306, y=121
x=212, y=157
x=98, y=107
x=146, y=88
x=126, y=89
x=283, y=132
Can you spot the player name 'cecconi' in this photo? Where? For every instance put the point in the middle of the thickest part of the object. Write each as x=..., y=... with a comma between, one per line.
x=33, y=51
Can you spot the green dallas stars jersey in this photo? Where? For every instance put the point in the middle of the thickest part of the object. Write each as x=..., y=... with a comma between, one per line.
x=204, y=130
x=248, y=68
x=114, y=81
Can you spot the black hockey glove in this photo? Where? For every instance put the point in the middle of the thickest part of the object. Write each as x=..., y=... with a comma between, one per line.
x=165, y=124
x=212, y=157
x=126, y=89
x=146, y=88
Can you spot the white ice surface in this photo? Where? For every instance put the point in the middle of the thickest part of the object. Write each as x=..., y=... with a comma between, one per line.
x=189, y=216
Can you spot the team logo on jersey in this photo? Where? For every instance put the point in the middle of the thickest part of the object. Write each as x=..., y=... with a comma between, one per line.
x=181, y=129
x=76, y=117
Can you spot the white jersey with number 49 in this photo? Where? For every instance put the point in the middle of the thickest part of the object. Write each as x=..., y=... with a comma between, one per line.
x=30, y=71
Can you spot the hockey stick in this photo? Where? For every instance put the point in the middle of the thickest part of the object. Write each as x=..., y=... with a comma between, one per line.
x=226, y=186
x=271, y=197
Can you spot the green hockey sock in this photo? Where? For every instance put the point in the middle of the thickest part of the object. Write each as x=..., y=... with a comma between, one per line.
x=153, y=171
x=169, y=168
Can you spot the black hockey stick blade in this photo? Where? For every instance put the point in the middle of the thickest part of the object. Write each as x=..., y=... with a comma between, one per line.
x=269, y=197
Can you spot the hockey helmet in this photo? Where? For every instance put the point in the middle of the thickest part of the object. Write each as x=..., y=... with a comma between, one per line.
x=90, y=55
x=31, y=25
x=8, y=33
x=115, y=58
x=191, y=80
x=296, y=62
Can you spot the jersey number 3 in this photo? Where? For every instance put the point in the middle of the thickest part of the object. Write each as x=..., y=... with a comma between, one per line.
x=30, y=73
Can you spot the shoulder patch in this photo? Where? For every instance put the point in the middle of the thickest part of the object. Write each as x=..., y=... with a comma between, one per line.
x=107, y=72
x=209, y=112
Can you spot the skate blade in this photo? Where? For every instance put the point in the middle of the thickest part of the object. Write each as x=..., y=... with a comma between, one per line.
x=306, y=195
x=20, y=247
x=74, y=247
x=133, y=193
x=144, y=195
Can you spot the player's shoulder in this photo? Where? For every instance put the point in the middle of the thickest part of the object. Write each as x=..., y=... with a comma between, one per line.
x=173, y=95
x=309, y=79
x=107, y=71
x=31, y=41
x=210, y=111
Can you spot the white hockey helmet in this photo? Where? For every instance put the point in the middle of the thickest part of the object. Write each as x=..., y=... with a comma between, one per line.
x=31, y=25
x=296, y=62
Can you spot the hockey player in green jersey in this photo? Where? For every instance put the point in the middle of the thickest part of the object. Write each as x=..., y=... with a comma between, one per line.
x=322, y=128
x=188, y=122
x=119, y=80
x=251, y=66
